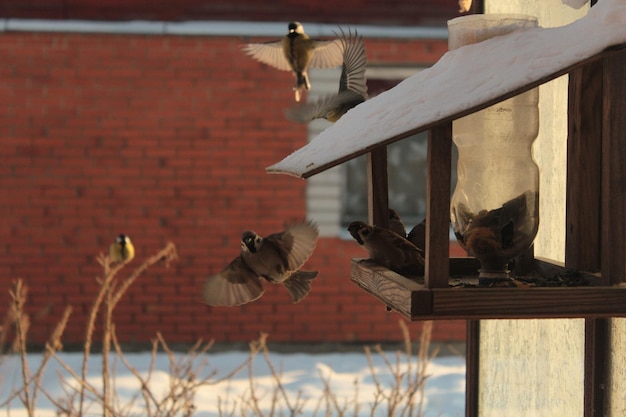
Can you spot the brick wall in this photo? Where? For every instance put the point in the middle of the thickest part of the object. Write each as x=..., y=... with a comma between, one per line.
x=165, y=139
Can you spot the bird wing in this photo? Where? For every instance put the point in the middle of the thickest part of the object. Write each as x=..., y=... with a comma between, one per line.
x=235, y=285
x=326, y=54
x=354, y=63
x=270, y=53
x=295, y=244
x=325, y=108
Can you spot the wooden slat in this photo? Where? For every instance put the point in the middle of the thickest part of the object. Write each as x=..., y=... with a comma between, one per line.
x=394, y=290
x=438, y=168
x=614, y=169
x=377, y=188
x=538, y=302
x=596, y=357
x=584, y=168
x=472, y=360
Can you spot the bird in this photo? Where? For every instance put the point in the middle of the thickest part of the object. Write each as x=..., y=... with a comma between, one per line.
x=395, y=223
x=387, y=248
x=297, y=52
x=417, y=235
x=122, y=250
x=352, y=85
x=277, y=258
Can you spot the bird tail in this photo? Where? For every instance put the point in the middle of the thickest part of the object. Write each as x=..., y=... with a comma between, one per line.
x=299, y=284
x=302, y=82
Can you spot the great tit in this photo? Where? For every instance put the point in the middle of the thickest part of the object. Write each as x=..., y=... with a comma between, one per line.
x=352, y=85
x=277, y=258
x=122, y=250
x=296, y=52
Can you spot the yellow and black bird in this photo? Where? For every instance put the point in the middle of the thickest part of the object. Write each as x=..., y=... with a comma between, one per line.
x=352, y=85
x=277, y=258
x=122, y=250
x=296, y=52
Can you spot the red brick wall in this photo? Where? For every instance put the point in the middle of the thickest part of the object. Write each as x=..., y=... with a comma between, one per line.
x=163, y=138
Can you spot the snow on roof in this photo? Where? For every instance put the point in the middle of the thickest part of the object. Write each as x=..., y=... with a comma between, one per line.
x=464, y=80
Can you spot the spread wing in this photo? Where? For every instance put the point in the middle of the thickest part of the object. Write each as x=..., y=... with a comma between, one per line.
x=235, y=285
x=270, y=53
x=295, y=244
x=326, y=54
x=330, y=107
x=354, y=63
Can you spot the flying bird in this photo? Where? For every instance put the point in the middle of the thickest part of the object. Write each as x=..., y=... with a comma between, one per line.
x=277, y=258
x=297, y=52
x=352, y=85
x=122, y=250
x=387, y=248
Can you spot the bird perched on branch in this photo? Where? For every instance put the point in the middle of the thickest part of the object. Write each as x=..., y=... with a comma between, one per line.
x=297, y=52
x=352, y=85
x=122, y=250
x=277, y=258
x=387, y=248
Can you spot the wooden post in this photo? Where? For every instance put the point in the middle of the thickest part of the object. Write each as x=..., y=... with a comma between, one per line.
x=584, y=169
x=438, y=163
x=614, y=169
x=377, y=187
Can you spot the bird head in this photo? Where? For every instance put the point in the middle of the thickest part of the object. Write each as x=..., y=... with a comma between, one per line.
x=393, y=215
x=122, y=239
x=295, y=27
x=250, y=241
x=359, y=230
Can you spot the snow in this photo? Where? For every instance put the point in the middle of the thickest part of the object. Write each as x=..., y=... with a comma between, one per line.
x=463, y=78
x=444, y=391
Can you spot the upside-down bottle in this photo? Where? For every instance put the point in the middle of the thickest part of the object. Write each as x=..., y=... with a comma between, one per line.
x=495, y=205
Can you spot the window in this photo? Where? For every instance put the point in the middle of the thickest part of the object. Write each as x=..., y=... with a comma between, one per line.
x=339, y=196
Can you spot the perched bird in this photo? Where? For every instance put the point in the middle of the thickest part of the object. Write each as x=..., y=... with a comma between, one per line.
x=395, y=223
x=417, y=235
x=122, y=250
x=352, y=85
x=296, y=52
x=388, y=248
x=277, y=258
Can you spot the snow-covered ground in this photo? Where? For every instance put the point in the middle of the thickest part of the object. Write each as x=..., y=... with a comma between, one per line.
x=300, y=373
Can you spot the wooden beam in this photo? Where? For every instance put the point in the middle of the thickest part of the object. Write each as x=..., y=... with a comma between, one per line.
x=584, y=169
x=596, y=357
x=614, y=168
x=472, y=368
x=438, y=167
x=378, y=188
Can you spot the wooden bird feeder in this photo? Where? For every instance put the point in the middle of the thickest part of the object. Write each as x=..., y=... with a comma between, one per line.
x=595, y=202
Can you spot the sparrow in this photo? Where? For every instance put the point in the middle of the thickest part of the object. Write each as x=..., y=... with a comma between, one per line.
x=387, y=248
x=395, y=223
x=277, y=258
x=296, y=52
x=122, y=250
x=417, y=235
x=352, y=85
